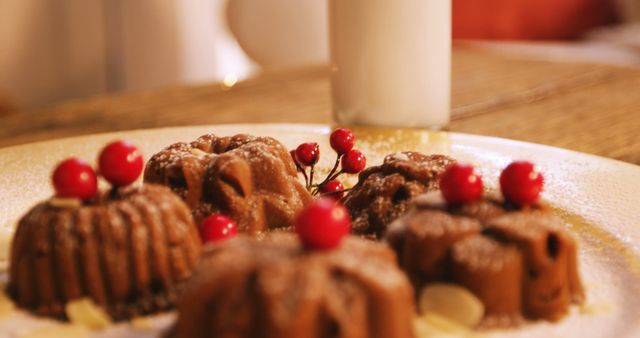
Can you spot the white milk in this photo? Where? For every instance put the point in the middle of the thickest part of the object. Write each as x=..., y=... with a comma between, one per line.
x=391, y=62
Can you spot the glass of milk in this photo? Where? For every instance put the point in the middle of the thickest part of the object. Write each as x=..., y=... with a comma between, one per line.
x=391, y=62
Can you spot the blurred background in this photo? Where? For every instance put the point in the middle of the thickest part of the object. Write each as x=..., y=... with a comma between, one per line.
x=64, y=49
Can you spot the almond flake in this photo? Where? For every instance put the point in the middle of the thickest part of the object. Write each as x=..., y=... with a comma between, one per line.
x=452, y=302
x=85, y=312
x=142, y=323
x=198, y=152
x=57, y=331
x=6, y=305
x=65, y=203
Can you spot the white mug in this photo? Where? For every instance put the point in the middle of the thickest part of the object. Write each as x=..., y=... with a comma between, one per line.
x=391, y=62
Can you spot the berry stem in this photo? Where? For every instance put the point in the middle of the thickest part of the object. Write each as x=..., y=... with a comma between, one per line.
x=306, y=178
x=311, y=177
x=331, y=178
x=326, y=180
x=113, y=192
x=333, y=170
x=335, y=166
x=304, y=173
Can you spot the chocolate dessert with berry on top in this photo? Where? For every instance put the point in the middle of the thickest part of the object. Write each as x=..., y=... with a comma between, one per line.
x=320, y=283
x=127, y=249
x=250, y=179
x=514, y=254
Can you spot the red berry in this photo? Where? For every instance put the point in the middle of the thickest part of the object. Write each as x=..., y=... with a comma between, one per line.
x=217, y=227
x=322, y=224
x=342, y=140
x=460, y=184
x=308, y=154
x=331, y=189
x=74, y=178
x=521, y=183
x=353, y=161
x=120, y=163
x=293, y=157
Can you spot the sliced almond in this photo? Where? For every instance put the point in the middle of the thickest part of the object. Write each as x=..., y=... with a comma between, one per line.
x=595, y=308
x=435, y=326
x=423, y=329
x=142, y=323
x=452, y=302
x=198, y=152
x=85, y=312
x=6, y=236
x=6, y=305
x=65, y=203
x=445, y=325
x=58, y=331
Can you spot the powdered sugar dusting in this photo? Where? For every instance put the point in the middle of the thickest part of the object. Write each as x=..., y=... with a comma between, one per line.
x=397, y=157
x=601, y=191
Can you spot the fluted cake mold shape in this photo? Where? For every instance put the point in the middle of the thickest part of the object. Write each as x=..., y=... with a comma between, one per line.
x=245, y=287
x=128, y=250
x=521, y=263
x=251, y=179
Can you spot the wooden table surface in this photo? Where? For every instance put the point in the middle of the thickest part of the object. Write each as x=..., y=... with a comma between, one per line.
x=592, y=108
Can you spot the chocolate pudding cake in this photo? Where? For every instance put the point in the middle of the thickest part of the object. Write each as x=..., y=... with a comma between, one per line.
x=383, y=192
x=550, y=280
x=493, y=272
x=251, y=179
x=127, y=250
x=517, y=261
x=244, y=287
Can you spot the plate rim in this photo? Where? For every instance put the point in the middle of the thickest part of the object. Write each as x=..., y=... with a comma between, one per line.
x=317, y=126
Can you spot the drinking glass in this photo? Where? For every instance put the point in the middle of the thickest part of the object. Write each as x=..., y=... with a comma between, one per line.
x=391, y=62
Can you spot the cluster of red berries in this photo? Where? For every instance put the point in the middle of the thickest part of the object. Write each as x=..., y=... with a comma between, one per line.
x=520, y=182
x=120, y=163
x=322, y=223
x=351, y=161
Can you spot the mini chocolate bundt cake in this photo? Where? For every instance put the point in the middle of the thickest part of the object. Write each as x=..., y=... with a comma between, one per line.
x=275, y=288
x=422, y=250
x=517, y=261
x=493, y=272
x=551, y=279
x=127, y=250
x=251, y=179
x=383, y=192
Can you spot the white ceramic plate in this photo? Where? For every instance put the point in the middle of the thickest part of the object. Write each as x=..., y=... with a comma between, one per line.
x=603, y=197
